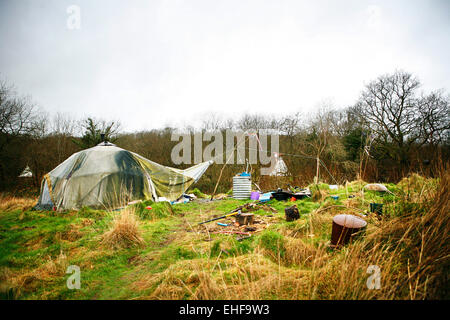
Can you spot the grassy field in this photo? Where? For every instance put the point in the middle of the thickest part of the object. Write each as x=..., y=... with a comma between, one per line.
x=162, y=253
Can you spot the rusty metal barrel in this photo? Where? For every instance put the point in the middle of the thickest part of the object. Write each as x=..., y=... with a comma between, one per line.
x=344, y=228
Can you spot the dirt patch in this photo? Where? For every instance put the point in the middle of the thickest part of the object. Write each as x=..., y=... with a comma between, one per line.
x=260, y=223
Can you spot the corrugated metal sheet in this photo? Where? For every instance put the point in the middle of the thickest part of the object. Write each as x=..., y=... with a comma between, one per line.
x=242, y=187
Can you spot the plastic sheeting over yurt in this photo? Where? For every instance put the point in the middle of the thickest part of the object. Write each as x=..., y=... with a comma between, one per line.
x=107, y=176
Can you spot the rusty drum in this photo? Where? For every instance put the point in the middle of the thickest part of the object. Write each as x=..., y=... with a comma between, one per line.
x=345, y=227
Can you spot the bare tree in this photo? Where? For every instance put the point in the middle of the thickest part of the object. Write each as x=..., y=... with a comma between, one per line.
x=18, y=118
x=63, y=128
x=319, y=134
x=434, y=124
x=17, y=115
x=212, y=122
x=252, y=122
x=390, y=108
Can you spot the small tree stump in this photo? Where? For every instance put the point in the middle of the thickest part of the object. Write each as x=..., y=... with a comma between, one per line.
x=245, y=218
x=292, y=213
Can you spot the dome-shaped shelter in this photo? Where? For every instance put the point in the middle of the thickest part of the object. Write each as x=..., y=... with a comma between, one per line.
x=107, y=176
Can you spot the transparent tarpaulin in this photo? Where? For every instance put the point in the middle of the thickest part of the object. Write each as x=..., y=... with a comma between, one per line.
x=107, y=176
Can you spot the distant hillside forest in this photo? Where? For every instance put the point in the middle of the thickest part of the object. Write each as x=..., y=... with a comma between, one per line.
x=393, y=129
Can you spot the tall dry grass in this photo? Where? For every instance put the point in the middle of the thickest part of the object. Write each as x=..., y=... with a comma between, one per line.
x=11, y=203
x=421, y=241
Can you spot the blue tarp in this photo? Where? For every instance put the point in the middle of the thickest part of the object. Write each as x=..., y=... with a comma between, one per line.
x=265, y=196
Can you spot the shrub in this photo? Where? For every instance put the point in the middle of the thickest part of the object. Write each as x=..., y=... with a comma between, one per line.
x=199, y=194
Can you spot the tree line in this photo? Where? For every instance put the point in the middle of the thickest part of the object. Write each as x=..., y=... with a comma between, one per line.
x=391, y=130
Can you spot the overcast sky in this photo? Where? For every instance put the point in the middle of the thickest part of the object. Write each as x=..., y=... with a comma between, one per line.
x=153, y=63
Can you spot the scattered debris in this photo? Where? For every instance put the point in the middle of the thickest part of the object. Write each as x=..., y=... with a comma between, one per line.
x=220, y=196
x=26, y=173
x=292, y=213
x=230, y=232
x=254, y=195
x=265, y=197
x=242, y=238
x=376, y=187
x=282, y=195
x=222, y=224
x=184, y=198
x=250, y=224
x=232, y=213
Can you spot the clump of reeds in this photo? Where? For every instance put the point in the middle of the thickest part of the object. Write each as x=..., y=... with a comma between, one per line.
x=124, y=231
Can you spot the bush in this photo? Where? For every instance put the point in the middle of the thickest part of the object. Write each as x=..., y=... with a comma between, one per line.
x=199, y=194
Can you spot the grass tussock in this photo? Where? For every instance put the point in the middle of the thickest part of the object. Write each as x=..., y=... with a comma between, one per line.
x=124, y=232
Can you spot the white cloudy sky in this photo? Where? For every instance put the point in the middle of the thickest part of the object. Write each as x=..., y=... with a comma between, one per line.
x=152, y=63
